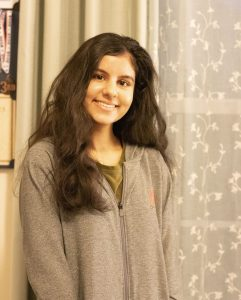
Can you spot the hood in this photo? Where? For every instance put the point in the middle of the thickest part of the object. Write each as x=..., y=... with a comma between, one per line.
x=133, y=153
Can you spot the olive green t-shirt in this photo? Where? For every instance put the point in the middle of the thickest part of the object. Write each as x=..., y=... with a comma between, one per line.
x=113, y=174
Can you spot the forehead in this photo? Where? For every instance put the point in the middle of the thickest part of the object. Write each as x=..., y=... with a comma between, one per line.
x=121, y=63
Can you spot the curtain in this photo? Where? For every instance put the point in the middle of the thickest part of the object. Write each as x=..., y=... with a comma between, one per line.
x=49, y=33
x=199, y=63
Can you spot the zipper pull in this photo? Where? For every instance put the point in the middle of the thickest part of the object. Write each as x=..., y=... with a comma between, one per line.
x=121, y=211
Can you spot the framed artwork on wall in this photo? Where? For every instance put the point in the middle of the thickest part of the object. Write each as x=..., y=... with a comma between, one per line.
x=9, y=20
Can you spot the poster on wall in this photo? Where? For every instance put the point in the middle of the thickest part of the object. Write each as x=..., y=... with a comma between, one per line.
x=9, y=20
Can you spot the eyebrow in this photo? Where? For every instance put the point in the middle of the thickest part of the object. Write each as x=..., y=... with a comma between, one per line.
x=122, y=76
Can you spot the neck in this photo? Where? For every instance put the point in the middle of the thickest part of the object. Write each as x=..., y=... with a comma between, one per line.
x=105, y=147
x=103, y=139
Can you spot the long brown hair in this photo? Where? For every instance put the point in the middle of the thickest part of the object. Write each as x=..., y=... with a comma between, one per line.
x=65, y=121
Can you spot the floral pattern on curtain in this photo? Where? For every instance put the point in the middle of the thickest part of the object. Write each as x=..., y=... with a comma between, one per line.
x=199, y=65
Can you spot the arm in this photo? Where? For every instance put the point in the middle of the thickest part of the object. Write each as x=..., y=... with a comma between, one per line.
x=169, y=239
x=46, y=264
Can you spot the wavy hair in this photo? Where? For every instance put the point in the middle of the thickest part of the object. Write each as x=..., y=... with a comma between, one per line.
x=65, y=121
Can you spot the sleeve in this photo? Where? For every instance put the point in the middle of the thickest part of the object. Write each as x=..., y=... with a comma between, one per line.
x=47, y=268
x=169, y=239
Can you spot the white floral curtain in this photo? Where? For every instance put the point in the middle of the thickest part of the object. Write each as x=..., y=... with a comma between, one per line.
x=199, y=62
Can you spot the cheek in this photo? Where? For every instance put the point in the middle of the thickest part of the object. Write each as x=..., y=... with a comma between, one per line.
x=92, y=90
x=129, y=99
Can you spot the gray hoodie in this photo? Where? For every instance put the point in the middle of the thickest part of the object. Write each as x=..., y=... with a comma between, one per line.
x=128, y=252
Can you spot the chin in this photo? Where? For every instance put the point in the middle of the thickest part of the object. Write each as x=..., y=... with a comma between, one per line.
x=104, y=122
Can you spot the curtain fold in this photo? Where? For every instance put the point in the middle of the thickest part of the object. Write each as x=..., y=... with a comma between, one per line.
x=62, y=32
x=122, y=17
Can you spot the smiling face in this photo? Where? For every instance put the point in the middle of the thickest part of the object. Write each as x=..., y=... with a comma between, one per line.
x=110, y=91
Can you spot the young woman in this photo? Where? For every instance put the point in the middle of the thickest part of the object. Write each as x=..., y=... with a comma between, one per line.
x=95, y=196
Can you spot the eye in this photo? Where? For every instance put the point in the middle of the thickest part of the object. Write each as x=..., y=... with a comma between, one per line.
x=98, y=76
x=124, y=83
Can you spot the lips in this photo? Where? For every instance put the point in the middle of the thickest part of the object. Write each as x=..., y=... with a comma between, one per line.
x=105, y=105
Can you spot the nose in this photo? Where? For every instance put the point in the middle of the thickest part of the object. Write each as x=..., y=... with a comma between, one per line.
x=110, y=90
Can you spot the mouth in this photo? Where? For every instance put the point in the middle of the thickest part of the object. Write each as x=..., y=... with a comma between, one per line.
x=108, y=106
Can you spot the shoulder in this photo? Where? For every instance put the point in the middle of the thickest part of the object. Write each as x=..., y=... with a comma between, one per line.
x=38, y=166
x=157, y=163
x=134, y=152
x=150, y=157
x=41, y=154
x=154, y=156
x=152, y=153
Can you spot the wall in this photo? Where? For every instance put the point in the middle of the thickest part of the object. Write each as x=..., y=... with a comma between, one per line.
x=6, y=176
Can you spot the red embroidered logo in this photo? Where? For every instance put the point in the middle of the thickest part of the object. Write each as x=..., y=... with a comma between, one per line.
x=151, y=198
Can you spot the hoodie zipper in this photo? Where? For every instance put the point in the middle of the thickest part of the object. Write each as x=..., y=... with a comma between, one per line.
x=123, y=240
x=123, y=237
x=124, y=252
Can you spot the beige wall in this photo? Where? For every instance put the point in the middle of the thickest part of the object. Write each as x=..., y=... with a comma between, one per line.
x=12, y=274
x=6, y=176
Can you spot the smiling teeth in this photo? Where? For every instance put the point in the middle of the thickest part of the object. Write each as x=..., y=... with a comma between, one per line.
x=106, y=105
